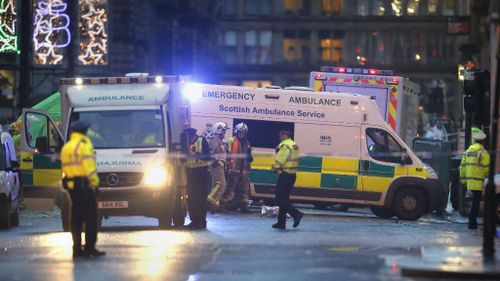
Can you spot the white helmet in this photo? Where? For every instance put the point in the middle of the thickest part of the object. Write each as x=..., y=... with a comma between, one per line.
x=220, y=127
x=241, y=127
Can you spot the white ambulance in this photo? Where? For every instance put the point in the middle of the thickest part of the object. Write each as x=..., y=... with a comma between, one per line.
x=349, y=155
x=396, y=97
x=136, y=129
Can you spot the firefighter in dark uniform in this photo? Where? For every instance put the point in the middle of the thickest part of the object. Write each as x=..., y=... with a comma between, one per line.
x=198, y=179
x=79, y=173
x=286, y=163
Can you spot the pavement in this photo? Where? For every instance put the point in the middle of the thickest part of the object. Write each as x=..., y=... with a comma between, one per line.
x=451, y=262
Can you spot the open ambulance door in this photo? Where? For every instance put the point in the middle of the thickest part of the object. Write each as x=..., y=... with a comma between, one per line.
x=41, y=142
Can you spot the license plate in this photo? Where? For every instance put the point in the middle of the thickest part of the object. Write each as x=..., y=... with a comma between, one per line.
x=113, y=204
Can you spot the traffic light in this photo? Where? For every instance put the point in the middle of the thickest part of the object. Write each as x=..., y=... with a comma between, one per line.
x=476, y=82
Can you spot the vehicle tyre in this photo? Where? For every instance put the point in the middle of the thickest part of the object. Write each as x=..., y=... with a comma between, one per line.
x=409, y=204
x=382, y=212
x=4, y=213
x=14, y=217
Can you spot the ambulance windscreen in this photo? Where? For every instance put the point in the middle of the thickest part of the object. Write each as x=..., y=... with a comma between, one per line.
x=123, y=128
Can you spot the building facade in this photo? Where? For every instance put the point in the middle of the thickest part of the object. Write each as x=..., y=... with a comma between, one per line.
x=279, y=42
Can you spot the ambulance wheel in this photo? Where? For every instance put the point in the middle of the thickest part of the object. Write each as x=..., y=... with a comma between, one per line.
x=382, y=212
x=409, y=204
x=4, y=213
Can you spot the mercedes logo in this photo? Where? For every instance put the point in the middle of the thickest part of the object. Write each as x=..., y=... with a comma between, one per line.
x=112, y=179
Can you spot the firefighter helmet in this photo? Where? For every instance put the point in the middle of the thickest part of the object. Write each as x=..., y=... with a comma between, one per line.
x=220, y=128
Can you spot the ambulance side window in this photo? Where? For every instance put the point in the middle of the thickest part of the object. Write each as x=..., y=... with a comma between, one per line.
x=382, y=146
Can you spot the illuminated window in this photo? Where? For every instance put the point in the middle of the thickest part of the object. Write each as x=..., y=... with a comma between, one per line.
x=412, y=8
x=378, y=7
x=397, y=7
x=296, y=46
x=256, y=83
x=332, y=7
x=230, y=47
x=296, y=7
x=432, y=7
x=258, y=47
x=331, y=46
x=448, y=8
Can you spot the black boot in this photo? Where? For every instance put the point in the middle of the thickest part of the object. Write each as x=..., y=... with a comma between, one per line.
x=297, y=218
x=279, y=225
x=77, y=252
x=93, y=252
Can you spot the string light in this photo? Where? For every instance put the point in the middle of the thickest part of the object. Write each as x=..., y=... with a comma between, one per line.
x=51, y=33
x=93, y=32
x=8, y=16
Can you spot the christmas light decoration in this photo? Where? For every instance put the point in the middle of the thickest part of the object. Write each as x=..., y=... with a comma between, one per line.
x=93, y=32
x=51, y=33
x=8, y=38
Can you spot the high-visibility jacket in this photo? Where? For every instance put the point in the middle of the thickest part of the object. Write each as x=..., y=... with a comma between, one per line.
x=474, y=167
x=149, y=139
x=78, y=160
x=240, y=155
x=199, y=154
x=287, y=158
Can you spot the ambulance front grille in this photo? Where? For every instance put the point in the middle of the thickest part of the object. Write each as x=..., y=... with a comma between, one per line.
x=122, y=179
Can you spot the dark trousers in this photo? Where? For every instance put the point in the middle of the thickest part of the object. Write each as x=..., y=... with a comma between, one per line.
x=283, y=189
x=83, y=210
x=198, y=184
x=476, y=200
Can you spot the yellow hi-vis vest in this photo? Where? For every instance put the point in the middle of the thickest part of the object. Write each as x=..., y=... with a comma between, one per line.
x=287, y=158
x=78, y=160
x=193, y=160
x=474, y=167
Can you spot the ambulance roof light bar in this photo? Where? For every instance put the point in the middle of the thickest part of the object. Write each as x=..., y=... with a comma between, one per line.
x=123, y=80
x=349, y=70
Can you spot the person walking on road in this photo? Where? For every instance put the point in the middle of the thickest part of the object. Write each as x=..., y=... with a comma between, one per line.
x=217, y=167
x=474, y=168
x=197, y=158
x=285, y=164
x=79, y=174
x=240, y=158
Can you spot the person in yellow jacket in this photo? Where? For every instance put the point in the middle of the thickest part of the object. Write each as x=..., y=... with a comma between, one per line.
x=198, y=178
x=79, y=173
x=285, y=164
x=474, y=168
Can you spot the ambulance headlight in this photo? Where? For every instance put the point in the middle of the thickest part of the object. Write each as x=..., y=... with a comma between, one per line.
x=192, y=91
x=156, y=176
x=432, y=173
